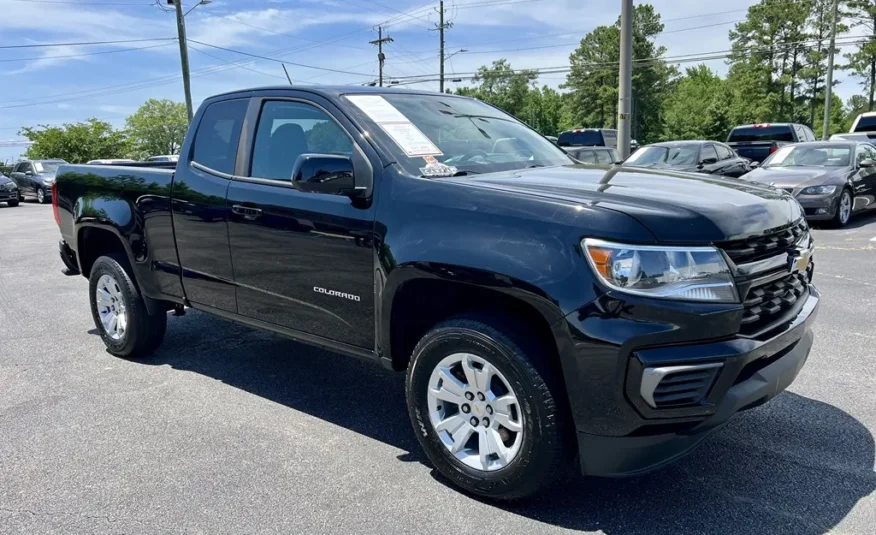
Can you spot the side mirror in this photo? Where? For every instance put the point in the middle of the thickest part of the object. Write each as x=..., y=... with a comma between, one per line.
x=28, y=173
x=754, y=165
x=325, y=173
x=867, y=163
x=709, y=161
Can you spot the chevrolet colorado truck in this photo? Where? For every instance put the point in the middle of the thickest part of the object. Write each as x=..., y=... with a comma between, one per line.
x=549, y=315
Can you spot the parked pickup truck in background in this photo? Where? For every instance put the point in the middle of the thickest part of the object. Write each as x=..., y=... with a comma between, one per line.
x=863, y=129
x=546, y=312
x=757, y=141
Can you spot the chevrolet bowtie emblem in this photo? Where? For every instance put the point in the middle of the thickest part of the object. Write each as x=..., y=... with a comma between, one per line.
x=801, y=262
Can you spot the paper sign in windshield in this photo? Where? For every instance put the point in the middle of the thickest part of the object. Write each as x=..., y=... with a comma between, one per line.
x=378, y=109
x=410, y=139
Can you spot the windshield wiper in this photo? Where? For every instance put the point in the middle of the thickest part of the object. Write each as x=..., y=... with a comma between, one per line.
x=474, y=116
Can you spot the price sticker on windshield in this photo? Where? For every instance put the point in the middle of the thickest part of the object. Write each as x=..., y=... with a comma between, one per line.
x=411, y=140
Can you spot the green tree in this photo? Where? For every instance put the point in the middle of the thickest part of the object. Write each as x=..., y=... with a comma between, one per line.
x=592, y=82
x=76, y=142
x=862, y=62
x=765, y=60
x=697, y=107
x=816, y=52
x=502, y=86
x=856, y=105
x=158, y=127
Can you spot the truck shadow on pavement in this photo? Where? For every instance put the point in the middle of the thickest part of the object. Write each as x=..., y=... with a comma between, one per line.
x=794, y=465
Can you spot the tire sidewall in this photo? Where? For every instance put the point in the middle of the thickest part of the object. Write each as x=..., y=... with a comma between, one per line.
x=106, y=265
x=525, y=467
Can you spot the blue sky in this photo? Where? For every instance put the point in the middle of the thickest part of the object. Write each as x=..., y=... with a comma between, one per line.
x=48, y=86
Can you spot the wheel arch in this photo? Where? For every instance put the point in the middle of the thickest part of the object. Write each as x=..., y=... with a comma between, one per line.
x=418, y=296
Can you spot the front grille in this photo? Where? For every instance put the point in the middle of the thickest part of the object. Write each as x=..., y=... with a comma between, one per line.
x=684, y=388
x=760, y=247
x=768, y=303
x=772, y=294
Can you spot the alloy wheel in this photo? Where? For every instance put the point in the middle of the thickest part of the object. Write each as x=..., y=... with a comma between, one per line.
x=474, y=412
x=111, y=307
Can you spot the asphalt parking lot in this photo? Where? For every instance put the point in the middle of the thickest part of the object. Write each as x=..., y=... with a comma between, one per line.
x=228, y=430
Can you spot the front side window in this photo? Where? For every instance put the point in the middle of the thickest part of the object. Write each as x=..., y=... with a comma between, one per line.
x=442, y=131
x=286, y=130
x=723, y=152
x=657, y=155
x=218, y=134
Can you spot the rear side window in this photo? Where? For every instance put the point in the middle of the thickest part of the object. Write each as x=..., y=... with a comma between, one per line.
x=810, y=135
x=723, y=152
x=603, y=156
x=707, y=152
x=761, y=133
x=866, y=124
x=218, y=134
x=576, y=139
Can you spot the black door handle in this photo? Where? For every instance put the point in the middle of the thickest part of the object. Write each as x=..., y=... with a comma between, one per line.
x=248, y=212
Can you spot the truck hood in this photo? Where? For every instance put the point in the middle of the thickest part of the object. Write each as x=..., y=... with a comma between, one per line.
x=794, y=177
x=675, y=207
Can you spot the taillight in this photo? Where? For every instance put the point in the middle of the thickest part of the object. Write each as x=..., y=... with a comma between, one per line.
x=773, y=149
x=55, y=204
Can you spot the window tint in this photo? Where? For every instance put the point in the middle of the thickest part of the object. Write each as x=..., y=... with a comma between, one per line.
x=583, y=138
x=761, y=133
x=18, y=168
x=871, y=152
x=723, y=152
x=866, y=124
x=585, y=156
x=287, y=130
x=218, y=134
x=708, y=151
x=603, y=156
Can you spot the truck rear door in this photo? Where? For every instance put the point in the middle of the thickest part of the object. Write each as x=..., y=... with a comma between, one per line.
x=200, y=215
x=302, y=260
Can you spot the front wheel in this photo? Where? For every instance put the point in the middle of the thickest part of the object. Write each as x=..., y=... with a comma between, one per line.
x=843, y=209
x=483, y=412
x=124, y=322
x=41, y=195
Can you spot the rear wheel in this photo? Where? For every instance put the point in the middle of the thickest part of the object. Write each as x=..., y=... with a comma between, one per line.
x=124, y=322
x=481, y=407
x=41, y=195
x=843, y=209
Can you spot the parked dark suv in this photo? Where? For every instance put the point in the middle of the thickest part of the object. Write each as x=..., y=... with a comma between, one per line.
x=35, y=178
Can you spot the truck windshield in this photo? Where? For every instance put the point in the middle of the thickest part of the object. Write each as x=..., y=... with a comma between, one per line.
x=761, y=133
x=433, y=135
x=681, y=155
x=817, y=156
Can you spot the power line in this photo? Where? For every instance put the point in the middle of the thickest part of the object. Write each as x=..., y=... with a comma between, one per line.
x=45, y=45
x=129, y=4
x=84, y=55
x=266, y=58
x=241, y=66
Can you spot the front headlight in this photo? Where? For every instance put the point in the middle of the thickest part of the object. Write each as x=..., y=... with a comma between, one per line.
x=818, y=190
x=684, y=273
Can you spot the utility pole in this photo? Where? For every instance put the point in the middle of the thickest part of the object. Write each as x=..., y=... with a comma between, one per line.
x=625, y=93
x=380, y=56
x=825, y=132
x=184, y=54
x=441, y=27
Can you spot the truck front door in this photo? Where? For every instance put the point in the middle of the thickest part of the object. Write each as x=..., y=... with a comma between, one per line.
x=302, y=260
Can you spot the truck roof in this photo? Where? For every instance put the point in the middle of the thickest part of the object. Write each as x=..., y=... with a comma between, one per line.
x=337, y=90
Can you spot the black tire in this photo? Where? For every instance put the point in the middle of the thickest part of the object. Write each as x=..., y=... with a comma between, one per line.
x=838, y=221
x=13, y=204
x=546, y=448
x=145, y=331
x=44, y=198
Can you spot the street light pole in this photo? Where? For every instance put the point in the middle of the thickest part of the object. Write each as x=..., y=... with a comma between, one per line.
x=184, y=55
x=825, y=131
x=624, y=94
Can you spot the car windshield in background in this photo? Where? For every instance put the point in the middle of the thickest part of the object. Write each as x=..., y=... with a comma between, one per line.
x=583, y=138
x=441, y=136
x=46, y=167
x=866, y=124
x=818, y=156
x=761, y=133
x=680, y=155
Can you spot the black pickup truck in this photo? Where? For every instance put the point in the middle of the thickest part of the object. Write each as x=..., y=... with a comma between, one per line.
x=546, y=312
x=757, y=141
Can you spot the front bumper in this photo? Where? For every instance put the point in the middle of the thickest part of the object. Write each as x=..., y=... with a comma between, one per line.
x=819, y=207
x=9, y=195
x=619, y=434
